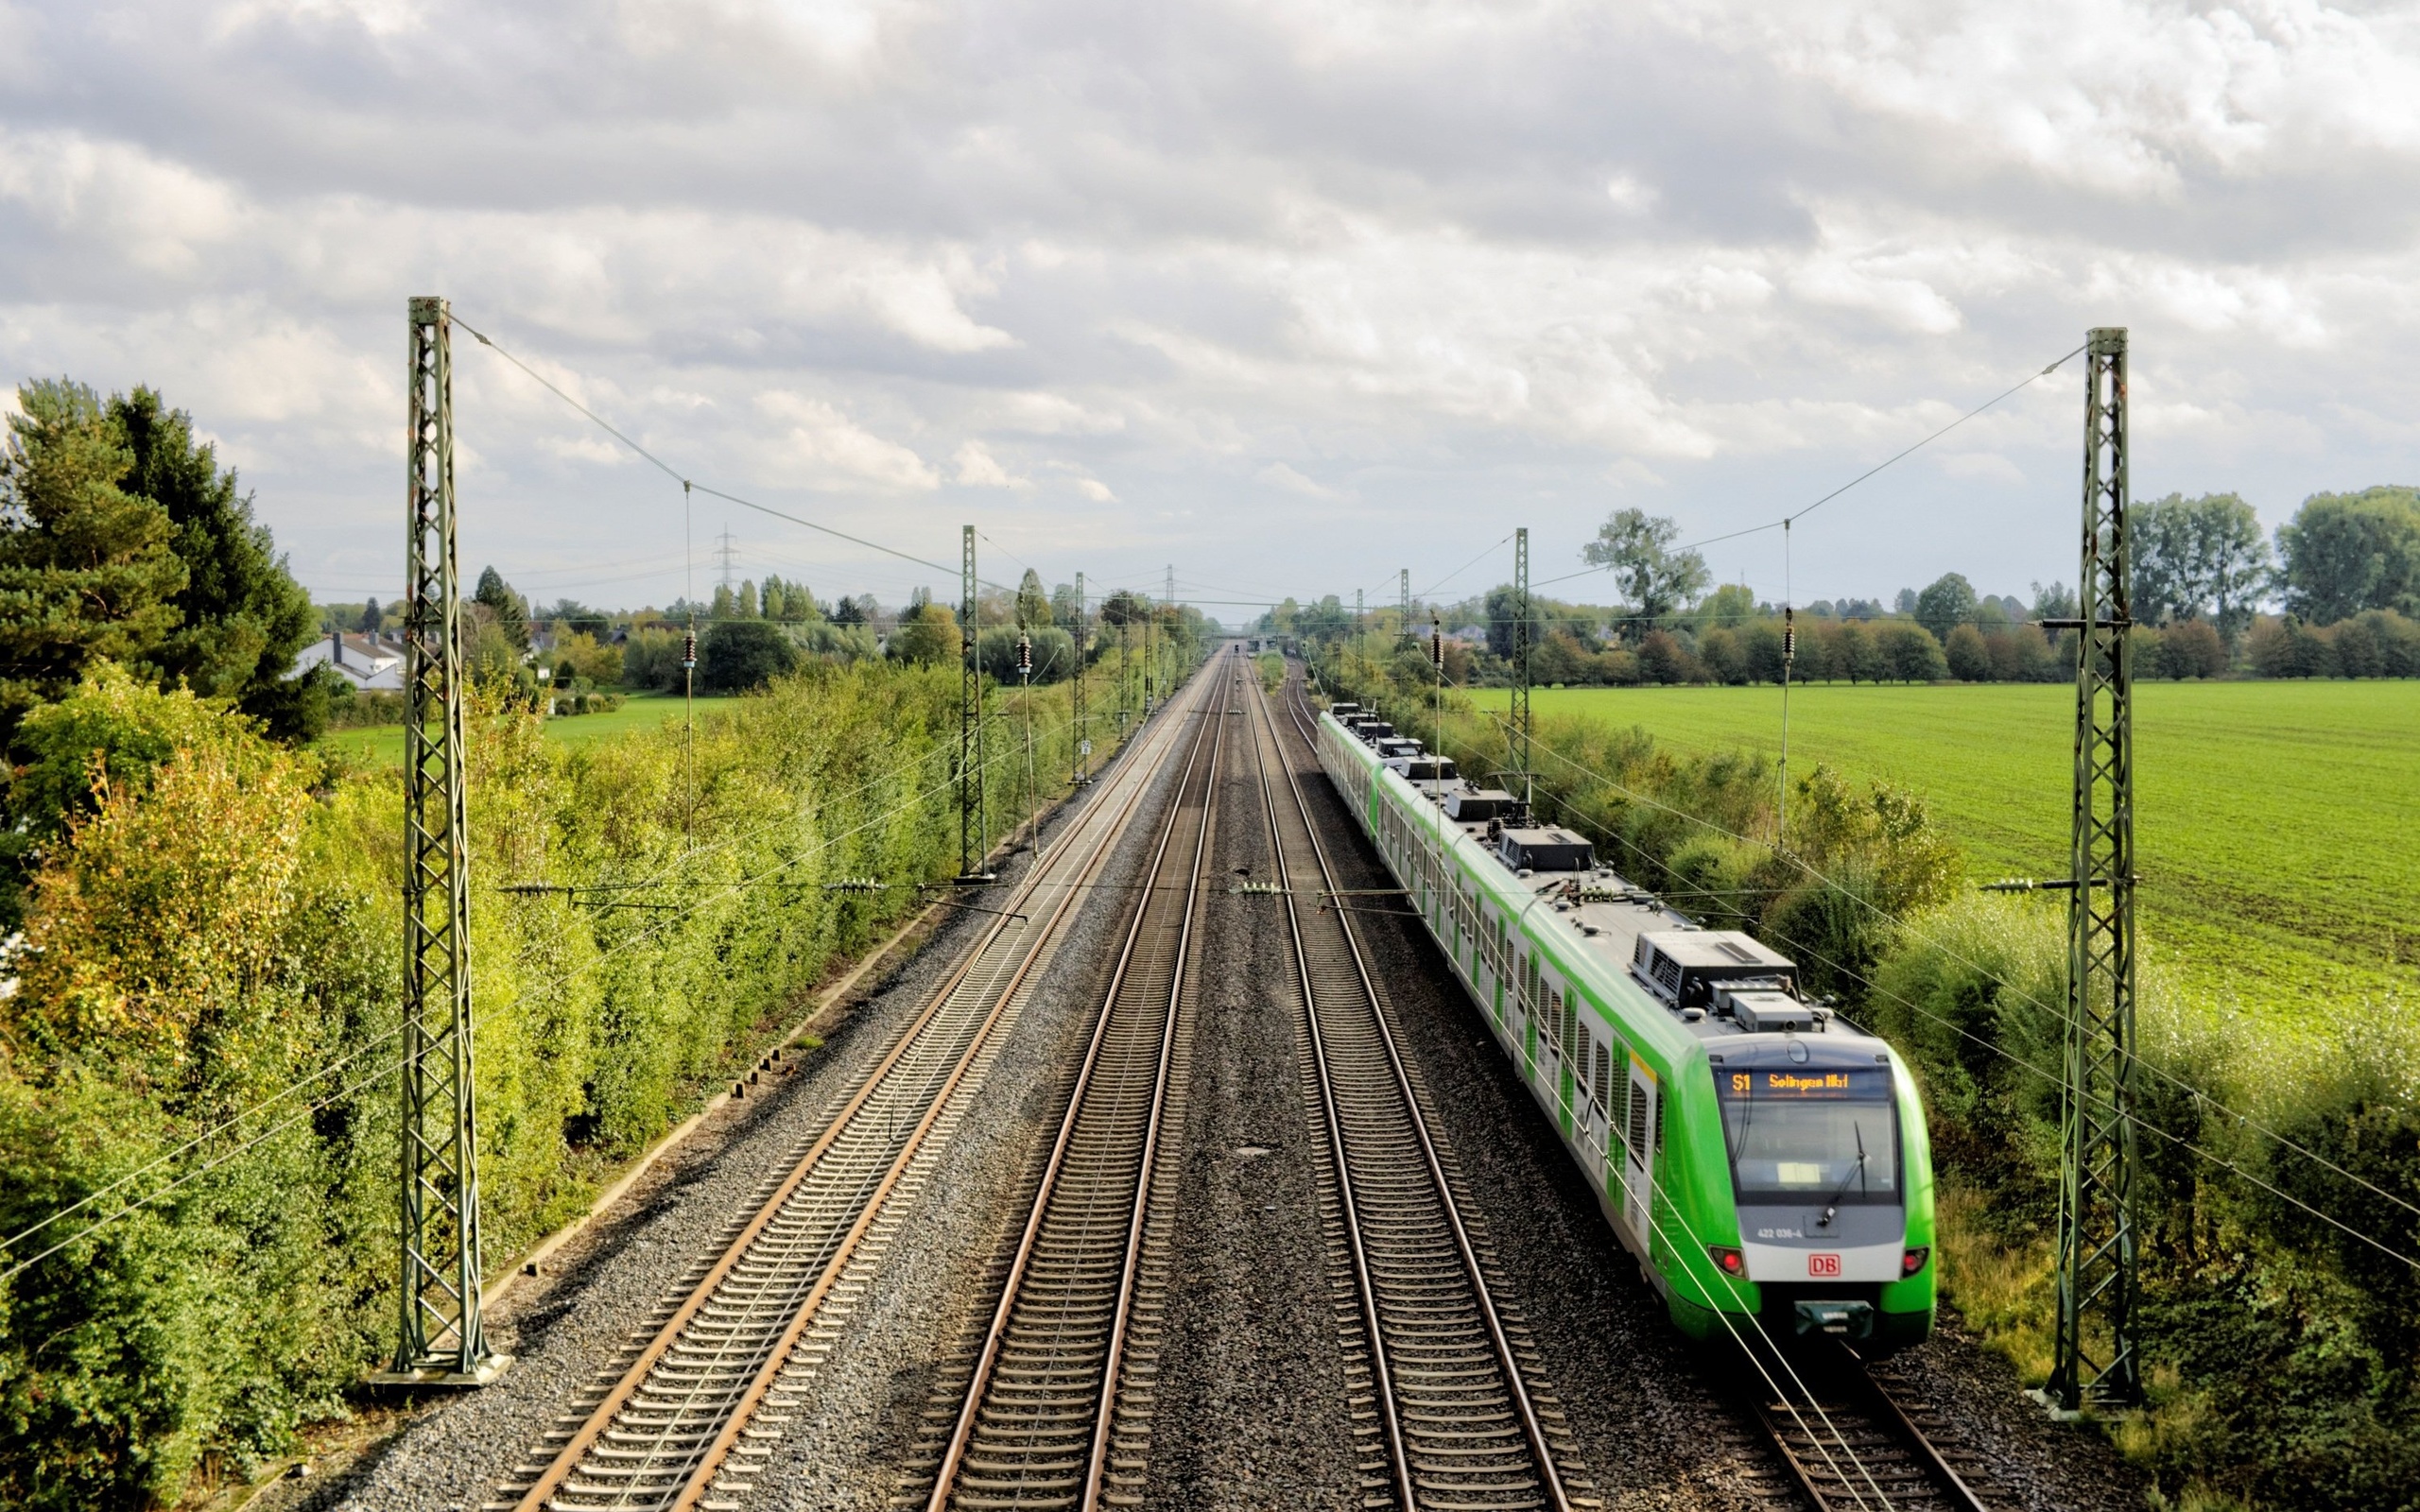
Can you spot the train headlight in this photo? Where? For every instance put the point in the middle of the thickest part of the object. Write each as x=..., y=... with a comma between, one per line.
x=1727, y=1260
x=1913, y=1261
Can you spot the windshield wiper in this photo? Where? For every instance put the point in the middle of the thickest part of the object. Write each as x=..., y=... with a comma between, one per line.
x=1857, y=1173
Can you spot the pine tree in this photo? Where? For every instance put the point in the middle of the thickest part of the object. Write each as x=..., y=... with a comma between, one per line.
x=371, y=618
x=86, y=569
x=243, y=614
x=511, y=610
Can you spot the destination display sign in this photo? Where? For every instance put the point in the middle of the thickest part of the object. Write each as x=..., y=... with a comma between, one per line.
x=1803, y=1084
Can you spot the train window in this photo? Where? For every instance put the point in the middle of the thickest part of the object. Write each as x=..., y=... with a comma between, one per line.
x=1795, y=1135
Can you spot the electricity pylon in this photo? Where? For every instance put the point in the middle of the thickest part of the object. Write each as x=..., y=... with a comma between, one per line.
x=1082, y=744
x=442, y=1341
x=2096, y=1361
x=1521, y=661
x=974, y=827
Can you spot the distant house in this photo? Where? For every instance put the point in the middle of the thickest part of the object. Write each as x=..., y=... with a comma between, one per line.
x=367, y=662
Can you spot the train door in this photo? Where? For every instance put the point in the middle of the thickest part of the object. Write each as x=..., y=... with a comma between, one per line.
x=1638, y=1153
x=1561, y=1011
x=1583, y=1126
x=1600, y=1098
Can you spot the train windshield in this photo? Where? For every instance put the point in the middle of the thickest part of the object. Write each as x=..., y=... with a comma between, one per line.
x=1800, y=1134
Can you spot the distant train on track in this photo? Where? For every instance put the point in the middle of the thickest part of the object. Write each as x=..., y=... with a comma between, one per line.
x=1766, y=1162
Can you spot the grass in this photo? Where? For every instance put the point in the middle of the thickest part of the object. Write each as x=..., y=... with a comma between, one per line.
x=383, y=745
x=2274, y=820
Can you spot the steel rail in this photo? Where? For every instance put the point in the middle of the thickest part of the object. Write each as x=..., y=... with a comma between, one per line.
x=1900, y=1466
x=1105, y=822
x=997, y=1335
x=1550, y=1470
x=1381, y=1369
x=1904, y=1470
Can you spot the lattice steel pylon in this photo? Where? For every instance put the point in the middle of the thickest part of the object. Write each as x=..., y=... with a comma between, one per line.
x=1521, y=661
x=2095, y=1361
x=442, y=1341
x=1082, y=744
x=974, y=826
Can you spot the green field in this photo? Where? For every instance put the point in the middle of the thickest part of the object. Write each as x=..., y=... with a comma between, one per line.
x=383, y=745
x=2278, y=823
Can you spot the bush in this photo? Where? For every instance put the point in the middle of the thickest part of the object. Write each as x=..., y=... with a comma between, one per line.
x=735, y=656
x=2290, y=648
x=2282, y=1343
x=1968, y=655
x=365, y=708
x=1054, y=653
x=2190, y=648
x=1909, y=652
x=651, y=659
x=221, y=925
x=1663, y=660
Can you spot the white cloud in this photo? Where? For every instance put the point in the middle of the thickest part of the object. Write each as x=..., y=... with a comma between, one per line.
x=823, y=448
x=158, y=216
x=978, y=469
x=1279, y=476
x=1493, y=264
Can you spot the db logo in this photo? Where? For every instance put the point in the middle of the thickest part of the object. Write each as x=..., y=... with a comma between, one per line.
x=1822, y=1265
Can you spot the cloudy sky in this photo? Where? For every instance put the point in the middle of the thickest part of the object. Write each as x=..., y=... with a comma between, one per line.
x=1288, y=295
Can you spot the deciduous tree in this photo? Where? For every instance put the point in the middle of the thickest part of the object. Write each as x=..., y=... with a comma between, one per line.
x=1654, y=579
x=1948, y=602
x=2198, y=558
x=2347, y=552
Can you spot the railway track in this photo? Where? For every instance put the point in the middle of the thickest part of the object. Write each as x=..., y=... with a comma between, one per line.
x=1842, y=1429
x=1056, y=1409
x=696, y=1402
x=1446, y=1411
x=1850, y=1442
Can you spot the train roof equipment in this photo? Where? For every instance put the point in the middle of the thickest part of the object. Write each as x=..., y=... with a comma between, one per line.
x=1769, y=1010
x=1477, y=806
x=1682, y=966
x=1546, y=849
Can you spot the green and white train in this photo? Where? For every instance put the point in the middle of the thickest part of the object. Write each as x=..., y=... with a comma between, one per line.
x=1765, y=1161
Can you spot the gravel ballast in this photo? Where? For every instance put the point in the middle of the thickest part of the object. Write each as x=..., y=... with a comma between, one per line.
x=1251, y=1408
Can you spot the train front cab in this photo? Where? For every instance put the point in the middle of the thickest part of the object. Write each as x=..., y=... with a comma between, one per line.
x=1814, y=1182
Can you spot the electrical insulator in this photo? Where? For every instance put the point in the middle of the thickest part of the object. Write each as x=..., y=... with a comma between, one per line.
x=1789, y=635
x=1437, y=644
x=1025, y=654
x=689, y=651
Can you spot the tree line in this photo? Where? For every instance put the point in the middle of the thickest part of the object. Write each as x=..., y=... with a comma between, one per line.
x=2344, y=576
x=750, y=635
